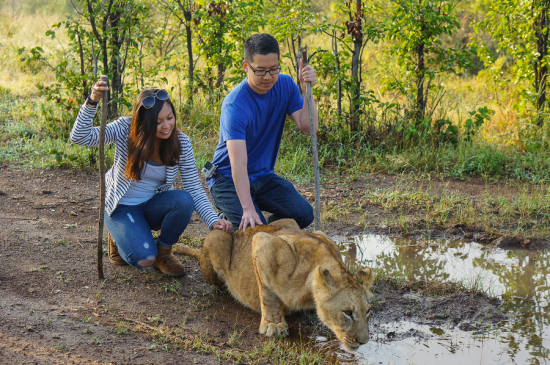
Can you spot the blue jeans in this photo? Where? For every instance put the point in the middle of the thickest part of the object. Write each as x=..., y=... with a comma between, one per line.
x=270, y=193
x=131, y=225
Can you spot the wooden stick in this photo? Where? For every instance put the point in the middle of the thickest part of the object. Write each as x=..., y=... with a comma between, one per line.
x=309, y=98
x=104, y=115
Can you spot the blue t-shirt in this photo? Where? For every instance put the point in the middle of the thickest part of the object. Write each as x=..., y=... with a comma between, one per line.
x=259, y=119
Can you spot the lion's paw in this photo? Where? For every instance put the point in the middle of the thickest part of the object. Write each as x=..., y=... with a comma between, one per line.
x=274, y=329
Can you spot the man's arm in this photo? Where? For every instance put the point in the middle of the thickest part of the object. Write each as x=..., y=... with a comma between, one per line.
x=301, y=117
x=238, y=158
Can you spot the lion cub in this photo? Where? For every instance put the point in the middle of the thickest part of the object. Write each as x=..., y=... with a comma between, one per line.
x=277, y=269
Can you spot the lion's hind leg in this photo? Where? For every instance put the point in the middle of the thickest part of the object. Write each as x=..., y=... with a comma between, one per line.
x=214, y=260
x=267, y=254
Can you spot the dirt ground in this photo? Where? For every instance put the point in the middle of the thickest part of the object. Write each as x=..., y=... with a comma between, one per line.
x=55, y=310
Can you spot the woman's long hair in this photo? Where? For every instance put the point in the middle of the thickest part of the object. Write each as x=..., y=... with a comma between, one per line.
x=141, y=141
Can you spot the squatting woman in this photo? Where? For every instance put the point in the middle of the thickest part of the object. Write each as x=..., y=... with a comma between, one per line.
x=149, y=152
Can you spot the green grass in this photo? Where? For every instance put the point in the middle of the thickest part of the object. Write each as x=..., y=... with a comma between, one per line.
x=272, y=351
x=34, y=134
x=409, y=204
x=32, y=127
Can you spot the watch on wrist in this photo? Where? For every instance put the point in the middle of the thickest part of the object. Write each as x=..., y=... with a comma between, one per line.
x=90, y=102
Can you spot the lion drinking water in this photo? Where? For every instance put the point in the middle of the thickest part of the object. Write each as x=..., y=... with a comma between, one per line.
x=277, y=269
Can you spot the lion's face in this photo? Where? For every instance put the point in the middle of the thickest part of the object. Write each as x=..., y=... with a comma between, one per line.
x=342, y=305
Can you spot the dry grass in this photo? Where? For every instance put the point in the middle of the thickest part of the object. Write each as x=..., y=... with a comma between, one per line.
x=26, y=31
x=519, y=209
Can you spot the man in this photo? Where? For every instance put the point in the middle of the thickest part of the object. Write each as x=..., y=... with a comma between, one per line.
x=251, y=127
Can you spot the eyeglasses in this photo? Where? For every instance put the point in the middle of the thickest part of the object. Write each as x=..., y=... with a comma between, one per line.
x=149, y=101
x=273, y=71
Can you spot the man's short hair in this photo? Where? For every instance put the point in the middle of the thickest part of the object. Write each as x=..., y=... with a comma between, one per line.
x=260, y=43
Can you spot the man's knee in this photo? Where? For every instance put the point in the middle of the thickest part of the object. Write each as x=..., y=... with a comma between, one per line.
x=305, y=218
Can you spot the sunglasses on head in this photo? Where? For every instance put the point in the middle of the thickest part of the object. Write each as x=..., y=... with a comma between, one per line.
x=149, y=101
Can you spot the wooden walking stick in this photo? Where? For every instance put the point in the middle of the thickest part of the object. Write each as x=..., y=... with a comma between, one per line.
x=309, y=98
x=104, y=114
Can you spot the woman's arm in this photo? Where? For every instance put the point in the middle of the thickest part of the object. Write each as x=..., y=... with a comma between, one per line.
x=192, y=184
x=85, y=134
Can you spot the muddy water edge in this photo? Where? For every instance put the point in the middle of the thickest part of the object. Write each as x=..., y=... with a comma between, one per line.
x=431, y=318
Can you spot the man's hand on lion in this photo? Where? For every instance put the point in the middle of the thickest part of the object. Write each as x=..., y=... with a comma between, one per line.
x=250, y=217
x=223, y=225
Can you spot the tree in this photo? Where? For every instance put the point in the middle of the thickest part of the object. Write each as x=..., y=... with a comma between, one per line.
x=361, y=30
x=183, y=11
x=292, y=21
x=358, y=26
x=104, y=36
x=222, y=27
x=118, y=22
x=416, y=29
x=521, y=29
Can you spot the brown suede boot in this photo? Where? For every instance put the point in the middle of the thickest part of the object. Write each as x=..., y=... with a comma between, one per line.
x=167, y=262
x=114, y=257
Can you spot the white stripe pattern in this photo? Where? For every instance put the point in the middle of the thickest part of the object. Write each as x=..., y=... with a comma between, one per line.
x=117, y=132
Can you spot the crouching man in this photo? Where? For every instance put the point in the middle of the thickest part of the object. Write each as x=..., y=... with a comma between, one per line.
x=251, y=127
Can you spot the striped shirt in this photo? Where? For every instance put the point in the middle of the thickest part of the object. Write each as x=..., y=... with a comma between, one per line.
x=117, y=132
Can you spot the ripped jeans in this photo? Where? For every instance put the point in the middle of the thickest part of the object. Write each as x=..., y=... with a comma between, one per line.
x=131, y=225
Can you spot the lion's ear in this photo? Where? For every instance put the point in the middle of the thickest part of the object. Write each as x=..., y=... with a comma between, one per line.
x=325, y=277
x=366, y=277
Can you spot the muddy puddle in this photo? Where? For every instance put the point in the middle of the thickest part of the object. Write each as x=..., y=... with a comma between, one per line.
x=520, y=279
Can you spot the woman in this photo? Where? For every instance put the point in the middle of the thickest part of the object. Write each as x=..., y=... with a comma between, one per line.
x=150, y=151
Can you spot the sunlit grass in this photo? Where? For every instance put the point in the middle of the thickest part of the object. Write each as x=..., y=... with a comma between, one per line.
x=504, y=149
x=520, y=209
x=26, y=31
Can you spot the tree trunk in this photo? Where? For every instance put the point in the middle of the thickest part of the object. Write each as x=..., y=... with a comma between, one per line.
x=541, y=69
x=220, y=75
x=339, y=81
x=187, y=15
x=355, y=77
x=420, y=75
x=85, y=91
x=116, y=83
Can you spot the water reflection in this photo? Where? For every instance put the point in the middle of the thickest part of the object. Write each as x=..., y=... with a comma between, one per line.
x=519, y=277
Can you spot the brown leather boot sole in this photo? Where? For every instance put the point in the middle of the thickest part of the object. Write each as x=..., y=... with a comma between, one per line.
x=114, y=257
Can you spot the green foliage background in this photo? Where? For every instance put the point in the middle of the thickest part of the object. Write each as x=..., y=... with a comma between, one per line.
x=479, y=118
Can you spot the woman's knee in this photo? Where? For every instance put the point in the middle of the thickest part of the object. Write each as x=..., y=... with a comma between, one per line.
x=142, y=262
x=182, y=202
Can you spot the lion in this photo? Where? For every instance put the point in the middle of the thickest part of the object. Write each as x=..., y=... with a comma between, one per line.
x=277, y=269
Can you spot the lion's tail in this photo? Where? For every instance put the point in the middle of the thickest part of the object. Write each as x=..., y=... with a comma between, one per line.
x=188, y=251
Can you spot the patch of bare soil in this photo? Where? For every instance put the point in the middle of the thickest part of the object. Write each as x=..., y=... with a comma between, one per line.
x=55, y=310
